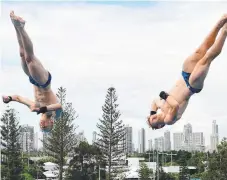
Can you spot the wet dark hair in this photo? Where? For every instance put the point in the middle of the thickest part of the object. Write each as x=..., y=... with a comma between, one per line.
x=49, y=114
x=157, y=126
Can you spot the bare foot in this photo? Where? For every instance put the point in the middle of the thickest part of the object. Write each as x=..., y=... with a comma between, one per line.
x=224, y=28
x=16, y=20
x=148, y=122
x=6, y=99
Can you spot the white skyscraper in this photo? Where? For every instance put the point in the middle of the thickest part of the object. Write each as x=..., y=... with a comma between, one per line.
x=141, y=141
x=159, y=144
x=177, y=141
x=81, y=137
x=45, y=136
x=133, y=147
x=156, y=144
x=214, y=138
x=26, y=138
x=36, y=141
x=150, y=145
x=187, y=134
x=128, y=140
x=167, y=142
x=187, y=138
x=198, y=141
x=94, y=138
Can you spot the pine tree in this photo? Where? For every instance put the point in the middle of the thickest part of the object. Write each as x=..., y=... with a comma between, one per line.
x=62, y=139
x=112, y=133
x=85, y=160
x=9, y=136
x=144, y=172
x=183, y=174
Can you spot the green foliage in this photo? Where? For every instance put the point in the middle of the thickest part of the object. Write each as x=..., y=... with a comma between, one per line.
x=61, y=140
x=172, y=176
x=164, y=176
x=144, y=172
x=112, y=132
x=34, y=170
x=198, y=160
x=173, y=164
x=26, y=176
x=197, y=175
x=86, y=158
x=184, y=173
x=47, y=159
x=10, y=135
x=4, y=171
x=217, y=163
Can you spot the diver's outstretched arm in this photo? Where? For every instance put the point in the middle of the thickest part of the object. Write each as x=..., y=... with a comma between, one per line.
x=19, y=99
x=51, y=107
x=54, y=107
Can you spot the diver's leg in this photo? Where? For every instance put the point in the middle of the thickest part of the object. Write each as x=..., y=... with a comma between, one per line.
x=36, y=69
x=21, y=48
x=192, y=60
x=201, y=69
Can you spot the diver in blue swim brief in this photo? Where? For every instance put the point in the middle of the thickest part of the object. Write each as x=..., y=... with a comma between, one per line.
x=170, y=106
x=46, y=102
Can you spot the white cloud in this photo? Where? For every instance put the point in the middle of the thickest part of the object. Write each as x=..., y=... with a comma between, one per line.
x=140, y=51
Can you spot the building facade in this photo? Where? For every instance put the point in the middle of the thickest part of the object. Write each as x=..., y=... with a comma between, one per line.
x=141, y=141
x=167, y=141
x=26, y=138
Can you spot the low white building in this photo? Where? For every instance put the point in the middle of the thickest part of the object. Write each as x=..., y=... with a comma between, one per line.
x=134, y=164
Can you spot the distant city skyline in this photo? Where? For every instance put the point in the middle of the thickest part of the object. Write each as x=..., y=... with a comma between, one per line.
x=187, y=139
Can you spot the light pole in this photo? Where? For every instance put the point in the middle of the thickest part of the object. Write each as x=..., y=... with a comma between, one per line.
x=150, y=156
x=99, y=171
x=171, y=154
x=157, y=169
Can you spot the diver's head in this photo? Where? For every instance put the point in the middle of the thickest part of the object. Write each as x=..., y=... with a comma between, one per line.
x=46, y=122
x=156, y=121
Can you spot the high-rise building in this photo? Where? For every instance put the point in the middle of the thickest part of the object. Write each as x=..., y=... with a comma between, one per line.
x=81, y=137
x=178, y=141
x=150, y=145
x=156, y=144
x=159, y=144
x=36, y=141
x=187, y=138
x=94, y=138
x=133, y=147
x=198, y=141
x=128, y=140
x=187, y=134
x=141, y=141
x=26, y=138
x=45, y=137
x=167, y=142
x=214, y=138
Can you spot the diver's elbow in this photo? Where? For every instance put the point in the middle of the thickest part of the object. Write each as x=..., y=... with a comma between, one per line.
x=59, y=106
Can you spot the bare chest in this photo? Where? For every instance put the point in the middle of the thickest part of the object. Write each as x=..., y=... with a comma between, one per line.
x=44, y=97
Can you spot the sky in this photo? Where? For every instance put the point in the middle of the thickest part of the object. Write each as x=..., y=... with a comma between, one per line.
x=138, y=48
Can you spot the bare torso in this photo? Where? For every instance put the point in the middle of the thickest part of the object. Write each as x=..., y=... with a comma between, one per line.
x=181, y=93
x=44, y=97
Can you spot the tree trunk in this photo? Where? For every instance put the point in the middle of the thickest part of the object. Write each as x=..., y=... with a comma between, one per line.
x=61, y=159
x=109, y=176
x=60, y=171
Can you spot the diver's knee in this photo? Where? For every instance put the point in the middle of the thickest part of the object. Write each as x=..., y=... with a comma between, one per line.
x=22, y=54
x=28, y=58
x=169, y=122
